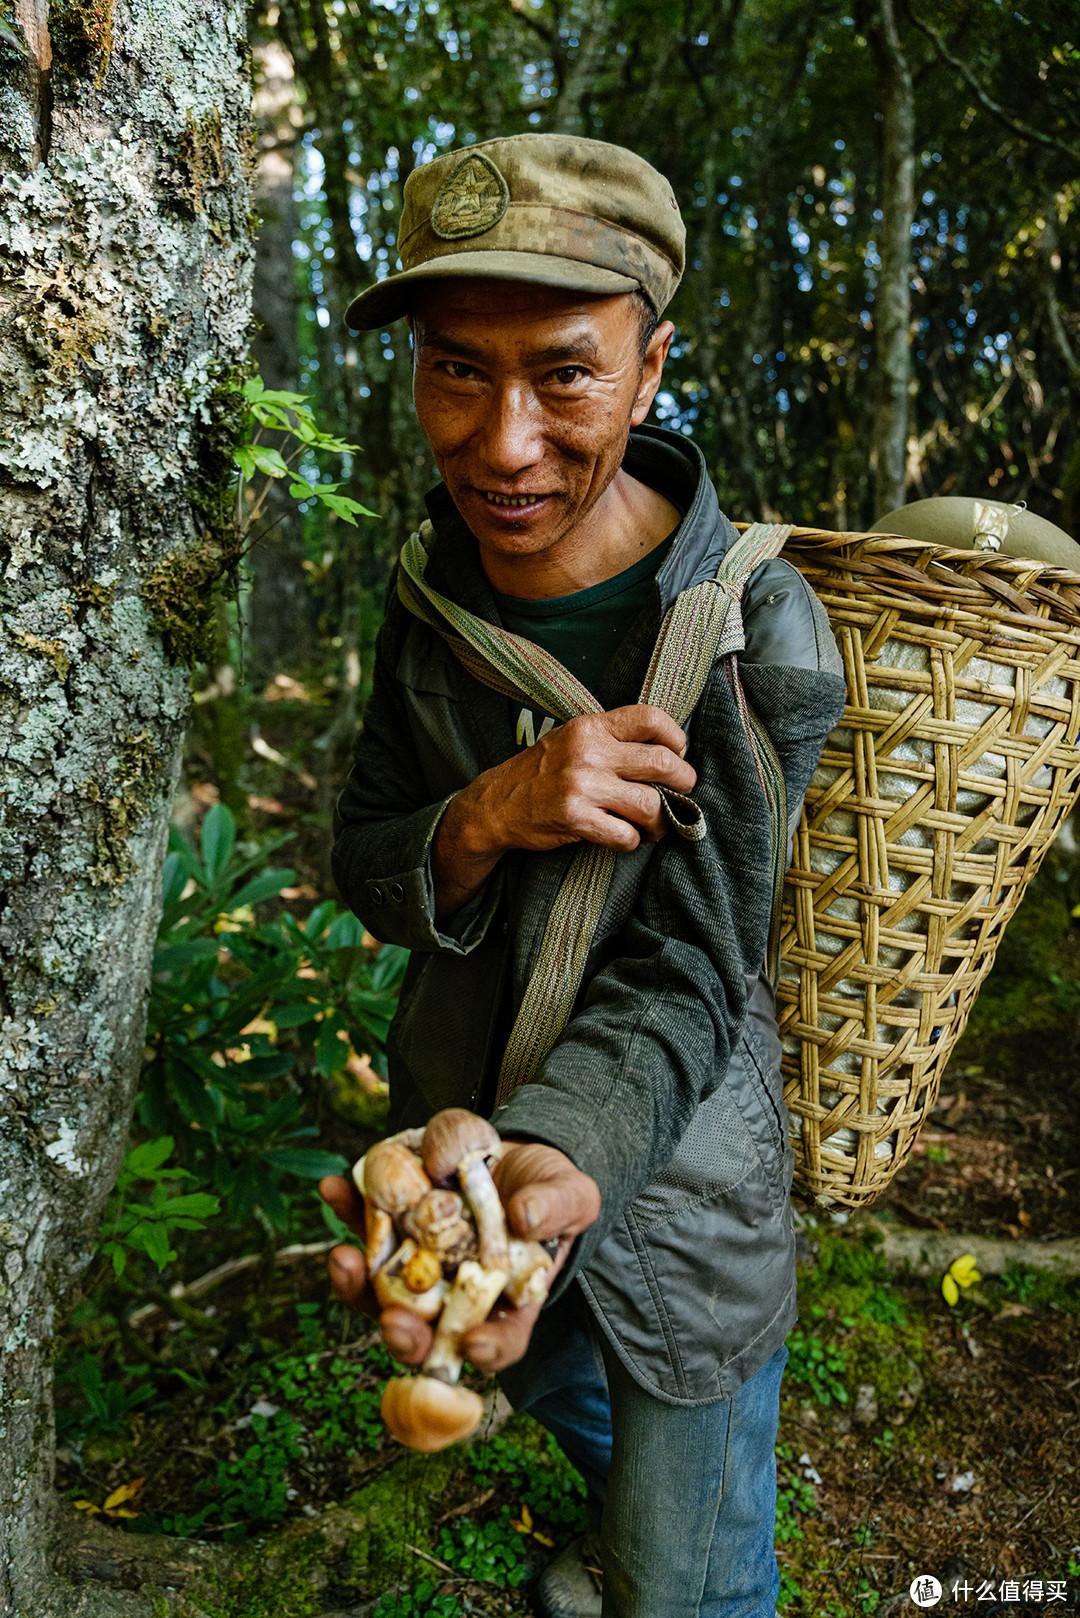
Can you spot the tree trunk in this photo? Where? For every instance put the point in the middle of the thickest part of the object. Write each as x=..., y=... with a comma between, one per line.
x=892, y=301
x=280, y=611
x=123, y=329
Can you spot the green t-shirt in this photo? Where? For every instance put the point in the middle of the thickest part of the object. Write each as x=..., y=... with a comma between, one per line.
x=582, y=630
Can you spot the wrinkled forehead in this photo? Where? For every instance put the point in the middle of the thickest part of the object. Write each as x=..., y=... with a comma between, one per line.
x=513, y=312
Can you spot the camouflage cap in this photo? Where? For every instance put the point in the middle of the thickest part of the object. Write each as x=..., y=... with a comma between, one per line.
x=551, y=209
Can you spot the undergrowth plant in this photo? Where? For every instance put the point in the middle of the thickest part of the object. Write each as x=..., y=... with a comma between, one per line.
x=245, y=1013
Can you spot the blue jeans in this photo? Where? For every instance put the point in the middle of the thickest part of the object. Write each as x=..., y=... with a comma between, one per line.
x=684, y=1496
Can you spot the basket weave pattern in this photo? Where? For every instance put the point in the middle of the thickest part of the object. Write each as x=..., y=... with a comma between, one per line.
x=937, y=797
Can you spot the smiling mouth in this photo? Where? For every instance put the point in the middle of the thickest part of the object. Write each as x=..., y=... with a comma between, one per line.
x=512, y=499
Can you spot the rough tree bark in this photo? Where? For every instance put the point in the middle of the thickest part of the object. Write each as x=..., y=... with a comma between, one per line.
x=892, y=300
x=124, y=317
x=280, y=612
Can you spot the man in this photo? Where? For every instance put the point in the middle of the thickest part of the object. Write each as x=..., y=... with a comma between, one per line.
x=650, y=1139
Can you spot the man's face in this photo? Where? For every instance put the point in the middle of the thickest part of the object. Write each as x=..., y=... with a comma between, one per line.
x=527, y=395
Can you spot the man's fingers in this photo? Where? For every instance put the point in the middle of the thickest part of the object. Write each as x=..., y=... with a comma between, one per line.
x=641, y=722
x=343, y=1197
x=636, y=762
x=563, y=1206
x=500, y=1340
x=407, y=1337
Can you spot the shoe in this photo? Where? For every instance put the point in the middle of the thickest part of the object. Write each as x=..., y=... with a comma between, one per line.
x=570, y=1586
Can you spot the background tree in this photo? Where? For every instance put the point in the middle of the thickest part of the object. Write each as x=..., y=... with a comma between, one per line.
x=881, y=215
x=124, y=330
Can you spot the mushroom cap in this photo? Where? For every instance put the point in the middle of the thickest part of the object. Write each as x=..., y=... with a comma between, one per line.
x=452, y=1134
x=426, y=1414
x=393, y=1177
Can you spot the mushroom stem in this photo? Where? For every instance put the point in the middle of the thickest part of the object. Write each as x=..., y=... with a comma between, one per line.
x=483, y=1198
x=392, y=1287
x=471, y=1297
x=379, y=1236
x=529, y=1267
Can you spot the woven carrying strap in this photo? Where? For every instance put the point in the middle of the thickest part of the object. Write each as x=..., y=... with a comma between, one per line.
x=702, y=624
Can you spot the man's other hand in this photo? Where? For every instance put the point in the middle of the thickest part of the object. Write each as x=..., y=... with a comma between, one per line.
x=593, y=779
x=545, y=1197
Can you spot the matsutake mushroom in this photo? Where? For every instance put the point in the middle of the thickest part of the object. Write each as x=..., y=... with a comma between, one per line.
x=438, y=1225
x=454, y=1260
x=410, y=1280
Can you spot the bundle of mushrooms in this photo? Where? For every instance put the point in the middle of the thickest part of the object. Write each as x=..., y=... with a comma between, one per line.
x=442, y=1251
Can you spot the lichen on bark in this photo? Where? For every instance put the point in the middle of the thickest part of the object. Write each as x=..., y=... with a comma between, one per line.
x=125, y=262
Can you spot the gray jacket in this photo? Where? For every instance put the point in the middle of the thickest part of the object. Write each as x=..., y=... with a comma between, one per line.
x=665, y=1086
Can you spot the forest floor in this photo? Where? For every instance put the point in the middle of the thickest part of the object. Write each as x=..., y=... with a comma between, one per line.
x=915, y=1437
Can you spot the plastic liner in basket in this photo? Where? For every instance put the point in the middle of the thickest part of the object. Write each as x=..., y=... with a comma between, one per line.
x=936, y=798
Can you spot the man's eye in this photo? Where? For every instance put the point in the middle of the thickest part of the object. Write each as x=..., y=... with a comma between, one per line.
x=566, y=374
x=459, y=370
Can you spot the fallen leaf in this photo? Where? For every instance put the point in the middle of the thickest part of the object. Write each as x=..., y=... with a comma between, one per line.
x=126, y=1491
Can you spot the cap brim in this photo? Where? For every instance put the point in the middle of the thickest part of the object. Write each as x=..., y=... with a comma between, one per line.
x=388, y=300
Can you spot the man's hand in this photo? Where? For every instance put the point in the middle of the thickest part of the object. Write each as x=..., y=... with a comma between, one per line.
x=545, y=1197
x=591, y=780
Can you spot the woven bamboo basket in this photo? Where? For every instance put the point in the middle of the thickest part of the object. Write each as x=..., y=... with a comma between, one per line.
x=934, y=804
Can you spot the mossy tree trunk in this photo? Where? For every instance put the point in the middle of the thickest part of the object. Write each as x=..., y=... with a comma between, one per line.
x=124, y=317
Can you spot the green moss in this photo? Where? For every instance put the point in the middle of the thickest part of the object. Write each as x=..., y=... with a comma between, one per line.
x=200, y=161
x=849, y=1300
x=82, y=36
x=54, y=650
x=135, y=788
x=93, y=594
x=181, y=594
x=62, y=321
x=359, y=1548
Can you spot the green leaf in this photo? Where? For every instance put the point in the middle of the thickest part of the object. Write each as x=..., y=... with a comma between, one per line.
x=254, y=390
x=264, y=886
x=155, y=1244
x=192, y=1205
x=262, y=1068
x=301, y=489
x=337, y=1227
x=318, y=919
x=174, y=876
x=141, y=1161
x=346, y=932
x=308, y=1163
x=174, y=955
x=295, y=1016
x=344, y=507
x=245, y=459
x=389, y=967
x=218, y=838
x=331, y=1053
x=270, y=461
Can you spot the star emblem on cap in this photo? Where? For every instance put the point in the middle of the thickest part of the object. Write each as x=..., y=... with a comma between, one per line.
x=473, y=197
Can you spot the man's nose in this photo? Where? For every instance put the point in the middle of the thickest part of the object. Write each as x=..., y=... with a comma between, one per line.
x=512, y=437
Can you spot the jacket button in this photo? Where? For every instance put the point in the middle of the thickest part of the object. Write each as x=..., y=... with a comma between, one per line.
x=397, y=892
x=376, y=893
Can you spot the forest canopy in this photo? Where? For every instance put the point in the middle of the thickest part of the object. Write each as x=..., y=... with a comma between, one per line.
x=784, y=130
